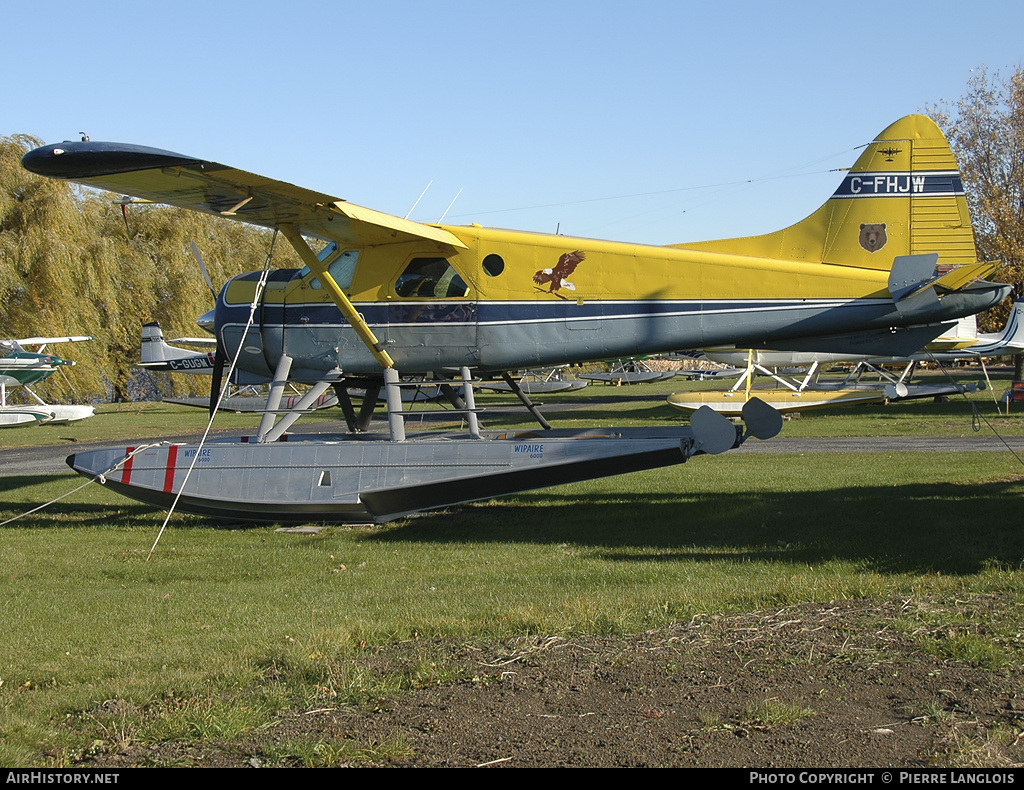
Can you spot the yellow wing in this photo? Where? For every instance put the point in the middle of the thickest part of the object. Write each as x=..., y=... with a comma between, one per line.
x=212, y=188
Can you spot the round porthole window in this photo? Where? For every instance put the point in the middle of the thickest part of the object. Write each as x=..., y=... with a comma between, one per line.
x=494, y=265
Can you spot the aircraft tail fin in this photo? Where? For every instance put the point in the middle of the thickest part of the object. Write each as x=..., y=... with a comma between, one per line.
x=157, y=354
x=903, y=197
x=154, y=349
x=1010, y=340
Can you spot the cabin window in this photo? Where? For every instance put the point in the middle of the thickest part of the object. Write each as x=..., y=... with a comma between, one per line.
x=431, y=278
x=340, y=265
x=494, y=265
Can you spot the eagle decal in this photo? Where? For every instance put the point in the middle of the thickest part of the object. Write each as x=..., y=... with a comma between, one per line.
x=556, y=278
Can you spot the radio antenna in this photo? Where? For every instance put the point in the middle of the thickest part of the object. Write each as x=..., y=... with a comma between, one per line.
x=450, y=206
x=419, y=198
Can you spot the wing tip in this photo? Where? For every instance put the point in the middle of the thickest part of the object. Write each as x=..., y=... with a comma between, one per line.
x=79, y=160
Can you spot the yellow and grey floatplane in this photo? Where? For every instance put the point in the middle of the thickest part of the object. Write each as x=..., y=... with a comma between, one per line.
x=885, y=265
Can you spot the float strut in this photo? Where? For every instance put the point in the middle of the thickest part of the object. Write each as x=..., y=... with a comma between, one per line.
x=525, y=400
x=284, y=367
x=393, y=396
x=467, y=395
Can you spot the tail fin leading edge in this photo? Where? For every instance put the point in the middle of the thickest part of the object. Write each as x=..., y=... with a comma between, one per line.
x=904, y=196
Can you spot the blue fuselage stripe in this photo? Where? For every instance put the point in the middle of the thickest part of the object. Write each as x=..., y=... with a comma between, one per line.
x=501, y=313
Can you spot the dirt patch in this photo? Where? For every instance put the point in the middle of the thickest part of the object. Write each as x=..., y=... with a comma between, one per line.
x=808, y=686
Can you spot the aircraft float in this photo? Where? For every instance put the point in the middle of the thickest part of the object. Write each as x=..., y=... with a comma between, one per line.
x=540, y=382
x=19, y=367
x=885, y=265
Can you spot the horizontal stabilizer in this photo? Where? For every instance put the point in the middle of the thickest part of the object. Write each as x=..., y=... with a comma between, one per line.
x=910, y=273
x=957, y=278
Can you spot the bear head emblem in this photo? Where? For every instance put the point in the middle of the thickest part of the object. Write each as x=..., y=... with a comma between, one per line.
x=872, y=236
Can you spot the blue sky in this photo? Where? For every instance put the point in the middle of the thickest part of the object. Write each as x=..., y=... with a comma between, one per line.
x=653, y=122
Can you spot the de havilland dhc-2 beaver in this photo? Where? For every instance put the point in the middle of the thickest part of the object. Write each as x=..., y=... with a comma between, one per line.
x=883, y=267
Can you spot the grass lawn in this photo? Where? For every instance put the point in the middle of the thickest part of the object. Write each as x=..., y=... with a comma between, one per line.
x=92, y=624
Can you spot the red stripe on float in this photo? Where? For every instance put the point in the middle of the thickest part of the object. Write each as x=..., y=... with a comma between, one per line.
x=172, y=459
x=126, y=470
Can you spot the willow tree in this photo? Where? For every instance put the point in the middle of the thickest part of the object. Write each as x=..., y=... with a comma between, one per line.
x=72, y=263
x=160, y=275
x=42, y=232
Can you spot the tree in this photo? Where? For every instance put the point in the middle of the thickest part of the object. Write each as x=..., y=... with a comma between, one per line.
x=985, y=129
x=41, y=233
x=71, y=265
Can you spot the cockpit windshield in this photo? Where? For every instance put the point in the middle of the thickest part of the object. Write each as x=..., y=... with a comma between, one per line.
x=341, y=265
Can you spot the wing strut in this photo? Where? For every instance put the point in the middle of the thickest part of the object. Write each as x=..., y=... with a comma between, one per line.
x=340, y=299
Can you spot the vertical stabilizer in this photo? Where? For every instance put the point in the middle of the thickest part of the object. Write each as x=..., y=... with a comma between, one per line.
x=904, y=196
x=1008, y=341
x=154, y=349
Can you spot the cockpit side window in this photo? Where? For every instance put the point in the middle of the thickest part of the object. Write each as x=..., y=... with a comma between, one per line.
x=341, y=265
x=431, y=278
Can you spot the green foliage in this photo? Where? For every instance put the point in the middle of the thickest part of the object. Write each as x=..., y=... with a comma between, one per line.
x=985, y=128
x=331, y=752
x=969, y=649
x=202, y=718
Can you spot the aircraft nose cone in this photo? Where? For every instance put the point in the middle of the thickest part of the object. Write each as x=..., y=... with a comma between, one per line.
x=207, y=321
